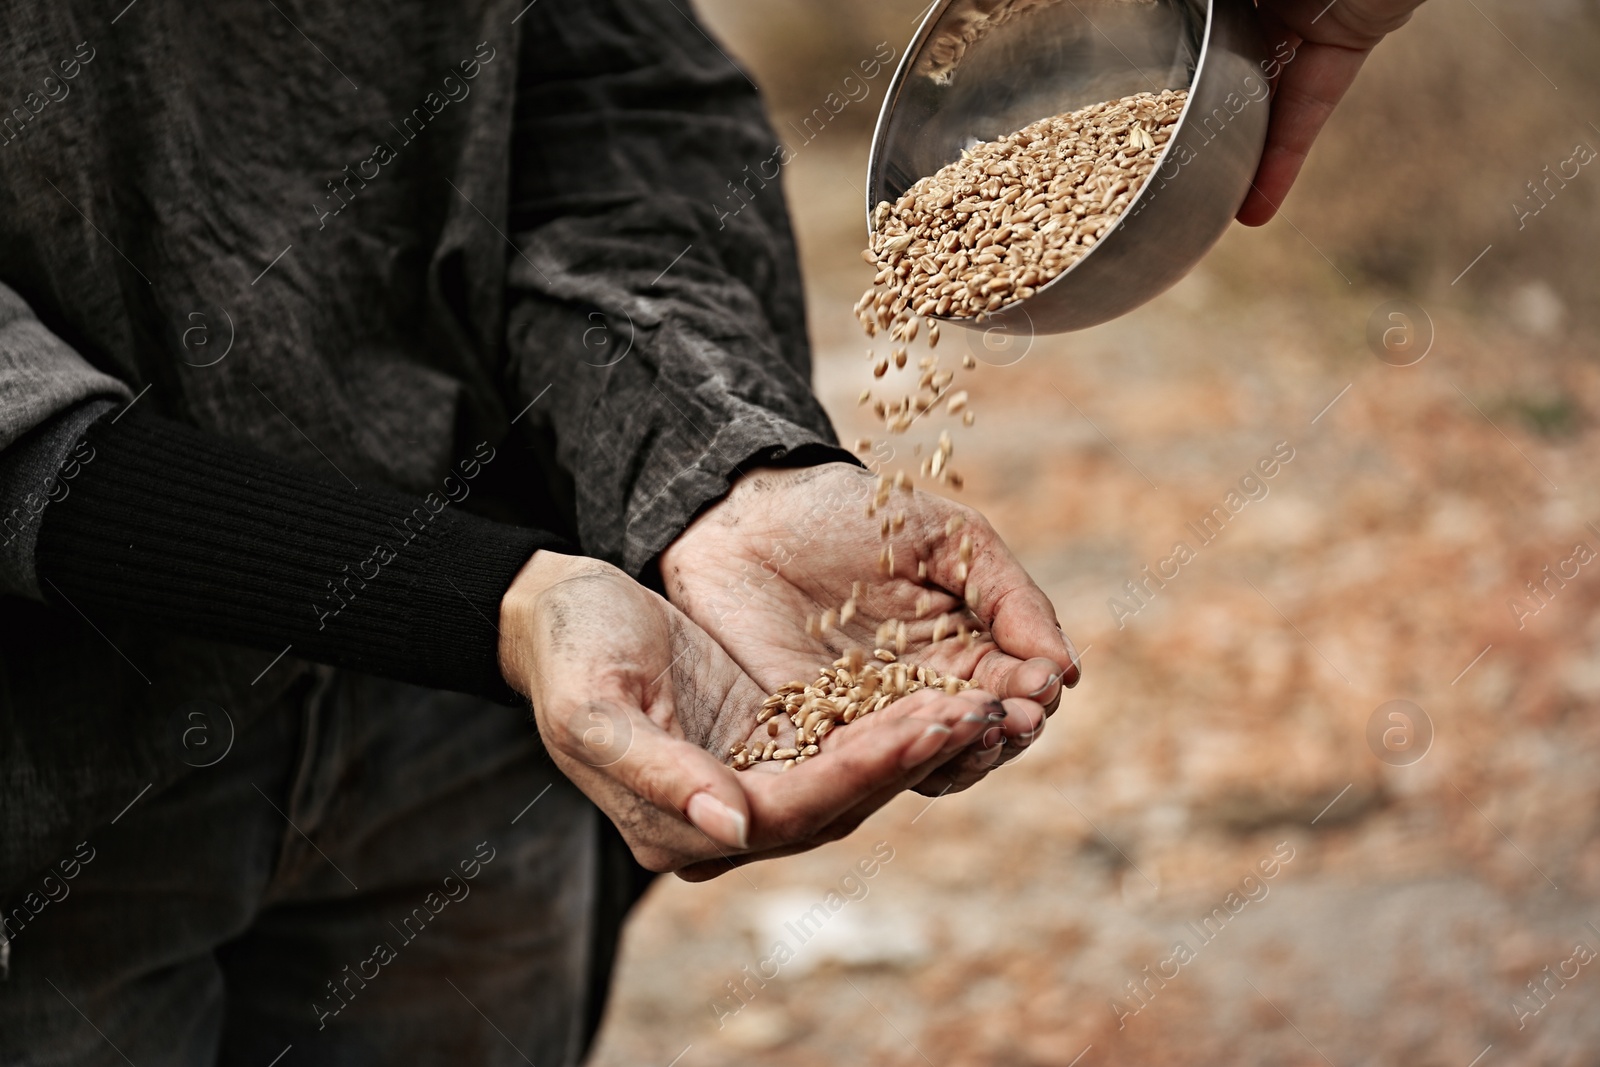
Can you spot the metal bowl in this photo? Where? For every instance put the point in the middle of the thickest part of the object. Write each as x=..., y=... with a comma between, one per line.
x=978, y=70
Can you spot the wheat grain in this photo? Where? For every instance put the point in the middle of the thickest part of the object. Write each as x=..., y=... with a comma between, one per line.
x=852, y=687
x=988, y=230
x=1012, y=214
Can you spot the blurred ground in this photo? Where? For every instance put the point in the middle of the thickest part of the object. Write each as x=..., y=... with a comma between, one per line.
x=1225, y=725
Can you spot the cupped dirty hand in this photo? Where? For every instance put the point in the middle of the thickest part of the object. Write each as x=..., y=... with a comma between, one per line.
x=636, y=704
x=789, y=571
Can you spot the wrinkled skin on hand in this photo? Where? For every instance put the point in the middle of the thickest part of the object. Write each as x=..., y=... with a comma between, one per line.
x=636, y=705
x=786, y=545
x=1320, y=49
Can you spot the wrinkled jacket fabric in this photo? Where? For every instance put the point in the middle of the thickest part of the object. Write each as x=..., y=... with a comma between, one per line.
x=370, y=236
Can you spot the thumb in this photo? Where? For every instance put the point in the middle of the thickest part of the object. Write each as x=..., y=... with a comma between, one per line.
x=621, y=742
x=1308, y=91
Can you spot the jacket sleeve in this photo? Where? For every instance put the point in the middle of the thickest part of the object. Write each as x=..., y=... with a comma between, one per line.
x=655, y=293
x=48, y=395
x=170, y=526
x=128, y=516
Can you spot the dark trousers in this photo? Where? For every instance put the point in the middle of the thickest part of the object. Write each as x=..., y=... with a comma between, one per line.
x=370, y=873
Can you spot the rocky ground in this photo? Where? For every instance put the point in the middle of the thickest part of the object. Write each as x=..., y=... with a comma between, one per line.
x=1229, y=725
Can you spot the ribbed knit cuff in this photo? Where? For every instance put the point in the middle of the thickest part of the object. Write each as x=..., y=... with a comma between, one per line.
x=199, y=535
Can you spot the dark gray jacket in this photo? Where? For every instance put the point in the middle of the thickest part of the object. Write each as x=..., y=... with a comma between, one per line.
x=363, y=237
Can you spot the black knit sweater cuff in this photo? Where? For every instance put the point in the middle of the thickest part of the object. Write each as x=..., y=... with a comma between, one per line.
x=191, y=532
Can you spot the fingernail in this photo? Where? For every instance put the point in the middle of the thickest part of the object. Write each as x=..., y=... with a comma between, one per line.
x=925, y=747
x=999, y=736
x=1074, y=667
x=718, y=821
x=975, y=717
x=1045, y=688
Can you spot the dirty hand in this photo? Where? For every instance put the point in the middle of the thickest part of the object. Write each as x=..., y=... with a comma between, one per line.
x=788, y=545
x=636, y=704
x=1317, y=50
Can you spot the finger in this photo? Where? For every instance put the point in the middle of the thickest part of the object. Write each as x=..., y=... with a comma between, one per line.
x=1351, y=24
x=972, y=711
x=1010, y=720
x=1040, y=680
x=1001, y=594
x=705, y=870
x=1311, y=86
x=995, y=747
x=621, y=743
x=962, y=773
x=840, y=827
x=1024, y=722
x=868, y=763
x=991, y=718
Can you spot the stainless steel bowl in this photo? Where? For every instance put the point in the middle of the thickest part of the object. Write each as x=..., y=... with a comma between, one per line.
x=978, y=70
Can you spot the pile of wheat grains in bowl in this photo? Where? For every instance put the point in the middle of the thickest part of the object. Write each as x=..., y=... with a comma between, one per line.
x=1013, y=214
x=989, y=229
